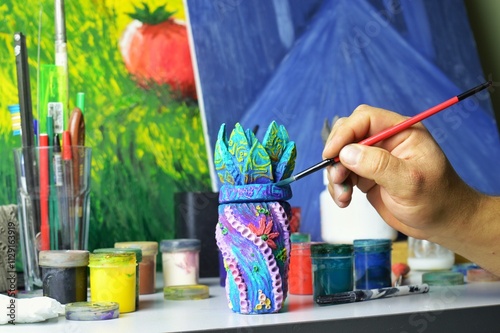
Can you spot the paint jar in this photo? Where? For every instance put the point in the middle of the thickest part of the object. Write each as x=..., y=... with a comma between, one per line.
x=147, y=266
x=180, y=259
x=428, y=256
x=300, y=274
x=359, y=220
x=195, y=217
x=295, y=219
x=138, y=259
x=113, y=279
x=64, y=275
x=332, y=266
x=372, y=263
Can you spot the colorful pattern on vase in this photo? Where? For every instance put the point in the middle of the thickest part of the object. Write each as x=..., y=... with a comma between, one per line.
x=253, y=229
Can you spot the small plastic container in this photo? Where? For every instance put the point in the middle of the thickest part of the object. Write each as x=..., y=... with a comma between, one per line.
x=88, y=311
x=138, y=259
x=428, y=256
x=113, y=279
x=64, y=275
x=147, y=267
x=300, y=274
x=480, y=275
x=181, y=263
x=372, y=263
x=443, y=278
x=182, y=293
x=332, y=266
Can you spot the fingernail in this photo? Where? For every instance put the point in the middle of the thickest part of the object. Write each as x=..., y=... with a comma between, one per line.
x=340, y=190
x=350, y=154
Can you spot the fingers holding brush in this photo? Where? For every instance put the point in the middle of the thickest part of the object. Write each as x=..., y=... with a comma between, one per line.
x=340, y=185
x=341, y=192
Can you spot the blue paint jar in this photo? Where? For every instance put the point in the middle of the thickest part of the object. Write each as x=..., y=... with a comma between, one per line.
x=332, y=266
x=372, y=263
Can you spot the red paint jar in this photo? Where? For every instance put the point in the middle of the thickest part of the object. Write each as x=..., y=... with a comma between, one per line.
x=300, y=275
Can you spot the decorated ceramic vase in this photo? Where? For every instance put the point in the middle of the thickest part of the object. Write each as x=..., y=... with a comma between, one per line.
x=253, y=229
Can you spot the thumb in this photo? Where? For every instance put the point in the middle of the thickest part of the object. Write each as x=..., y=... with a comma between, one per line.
x=374, y=163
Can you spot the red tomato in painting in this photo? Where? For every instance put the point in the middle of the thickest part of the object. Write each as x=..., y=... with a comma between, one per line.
x=158, y=53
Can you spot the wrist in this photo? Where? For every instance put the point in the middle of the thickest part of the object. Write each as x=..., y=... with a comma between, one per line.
x=460, y=220
x=474, y=233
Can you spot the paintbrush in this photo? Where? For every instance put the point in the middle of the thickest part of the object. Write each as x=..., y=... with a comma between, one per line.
x=364, y=295
x=387, y=133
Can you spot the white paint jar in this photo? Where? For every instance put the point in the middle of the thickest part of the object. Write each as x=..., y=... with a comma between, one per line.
x=359, y=220
x=180, y=260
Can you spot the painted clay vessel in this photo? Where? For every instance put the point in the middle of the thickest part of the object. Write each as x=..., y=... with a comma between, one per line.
x=253, y=229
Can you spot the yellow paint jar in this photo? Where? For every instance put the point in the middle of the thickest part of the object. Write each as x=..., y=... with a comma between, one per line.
x=113, y=279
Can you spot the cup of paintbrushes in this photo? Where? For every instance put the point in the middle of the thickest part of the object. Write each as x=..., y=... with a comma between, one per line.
x=53, y=209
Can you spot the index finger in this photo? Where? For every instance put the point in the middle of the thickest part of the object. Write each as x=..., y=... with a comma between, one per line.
x=364, y=122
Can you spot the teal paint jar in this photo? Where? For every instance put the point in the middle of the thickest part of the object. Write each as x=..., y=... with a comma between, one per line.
x=332, y=266
x=372, y=263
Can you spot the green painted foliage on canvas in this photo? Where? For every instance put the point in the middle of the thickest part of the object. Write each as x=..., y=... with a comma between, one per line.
x=146, y=146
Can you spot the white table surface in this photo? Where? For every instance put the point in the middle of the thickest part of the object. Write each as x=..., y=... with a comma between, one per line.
x=158, y=315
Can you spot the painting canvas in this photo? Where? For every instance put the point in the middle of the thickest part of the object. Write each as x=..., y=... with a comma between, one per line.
x=142, y=117
x=303, y=62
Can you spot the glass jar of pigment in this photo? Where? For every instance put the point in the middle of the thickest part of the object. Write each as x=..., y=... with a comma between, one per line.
x=428, y=256
x=332, y=267
x=372, y=263
x=147, y=266
x=64, y=275
x=180, y=259
x=138, y=259
x=300, y=274
x=113, y=279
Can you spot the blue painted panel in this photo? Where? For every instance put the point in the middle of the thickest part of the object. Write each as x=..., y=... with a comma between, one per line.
x=238, y=45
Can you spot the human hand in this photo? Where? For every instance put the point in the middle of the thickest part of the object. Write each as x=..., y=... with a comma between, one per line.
x=407, y=177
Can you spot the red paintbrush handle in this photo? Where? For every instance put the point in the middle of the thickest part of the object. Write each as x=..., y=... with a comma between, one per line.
x=390, y=131
x=44, y=193
x=408, y=123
